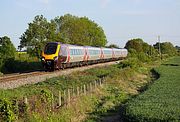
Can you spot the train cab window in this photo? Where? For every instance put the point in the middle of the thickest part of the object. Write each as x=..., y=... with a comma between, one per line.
x=50, y=48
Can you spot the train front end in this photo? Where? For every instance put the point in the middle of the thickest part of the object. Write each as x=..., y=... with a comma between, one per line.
x=50, y=55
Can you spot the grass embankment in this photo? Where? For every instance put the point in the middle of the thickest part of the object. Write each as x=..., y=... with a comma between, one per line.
x=120, y=84
x=119, y=88
x=161, y=102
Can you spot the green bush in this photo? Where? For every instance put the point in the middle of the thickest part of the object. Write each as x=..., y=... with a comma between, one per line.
x=7, y=110
x=130, y=62
x=143, y=57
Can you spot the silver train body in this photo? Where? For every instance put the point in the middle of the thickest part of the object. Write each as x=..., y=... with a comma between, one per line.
x=59, y=56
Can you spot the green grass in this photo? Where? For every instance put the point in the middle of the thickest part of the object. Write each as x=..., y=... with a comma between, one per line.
x=161, y=102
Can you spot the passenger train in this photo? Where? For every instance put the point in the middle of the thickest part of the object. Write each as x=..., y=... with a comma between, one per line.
x=57, y=55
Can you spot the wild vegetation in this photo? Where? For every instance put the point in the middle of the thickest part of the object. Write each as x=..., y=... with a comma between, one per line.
x=52, y=86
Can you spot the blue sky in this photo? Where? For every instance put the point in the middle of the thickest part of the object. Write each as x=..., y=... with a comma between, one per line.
x=121, y=19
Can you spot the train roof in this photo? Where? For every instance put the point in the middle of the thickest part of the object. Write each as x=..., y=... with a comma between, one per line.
x=85, y=46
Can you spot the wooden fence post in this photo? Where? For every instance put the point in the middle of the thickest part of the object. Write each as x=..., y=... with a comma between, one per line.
x=90, y=87
x=26, y=100
x=100, y=82
x=73, y=93
x=81, y=90
x=64, y=97
x=26, y=104
x=60, y=102
x=95, y=84
x=85, y=89
x=52, y=101
x=69, y=97
x=77, y=91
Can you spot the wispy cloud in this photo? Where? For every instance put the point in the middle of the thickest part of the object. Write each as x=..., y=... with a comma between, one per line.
x=30, y=4
x=45, y=1
x=134, y=13
x=137, y=1
x=22, y=4
x=104, y=3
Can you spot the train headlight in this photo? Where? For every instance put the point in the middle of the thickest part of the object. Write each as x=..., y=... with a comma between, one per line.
x=55, y=58
x=43, y=59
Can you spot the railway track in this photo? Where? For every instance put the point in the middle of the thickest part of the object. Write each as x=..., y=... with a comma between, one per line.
x=16, y=80
x=16, y=76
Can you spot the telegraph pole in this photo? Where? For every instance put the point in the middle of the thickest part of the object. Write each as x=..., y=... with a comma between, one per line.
x=159, y=39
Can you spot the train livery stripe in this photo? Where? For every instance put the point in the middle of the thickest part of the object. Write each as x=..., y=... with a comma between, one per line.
x=85, y=55
x=68, y=58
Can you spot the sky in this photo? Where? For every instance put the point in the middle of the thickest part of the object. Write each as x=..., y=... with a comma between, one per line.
x=121, y=20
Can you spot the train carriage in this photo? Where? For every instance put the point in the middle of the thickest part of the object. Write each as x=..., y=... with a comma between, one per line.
x=93, y=53
x=107, y=53
x=57, y=55
x=72, y=53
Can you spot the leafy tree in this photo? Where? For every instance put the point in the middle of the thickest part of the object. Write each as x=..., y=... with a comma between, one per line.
x=166, y=48
x=7, y=50
x=136, y=44
x=140, y=46
x=112, y=46
x=178, y=49
x=67, y=29
x=39, y=32
x=80, y=30
x=139, y=49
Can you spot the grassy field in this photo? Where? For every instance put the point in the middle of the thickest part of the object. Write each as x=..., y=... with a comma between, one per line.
x=161, y=102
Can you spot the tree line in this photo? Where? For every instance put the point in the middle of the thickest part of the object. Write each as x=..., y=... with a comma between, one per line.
x=67, y=29
x=145, y=52
x=74, y=30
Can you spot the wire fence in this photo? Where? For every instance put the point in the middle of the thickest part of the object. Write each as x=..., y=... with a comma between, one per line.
x=62, y=98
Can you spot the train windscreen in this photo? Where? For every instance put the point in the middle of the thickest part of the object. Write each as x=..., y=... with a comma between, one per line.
x=50, y=48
